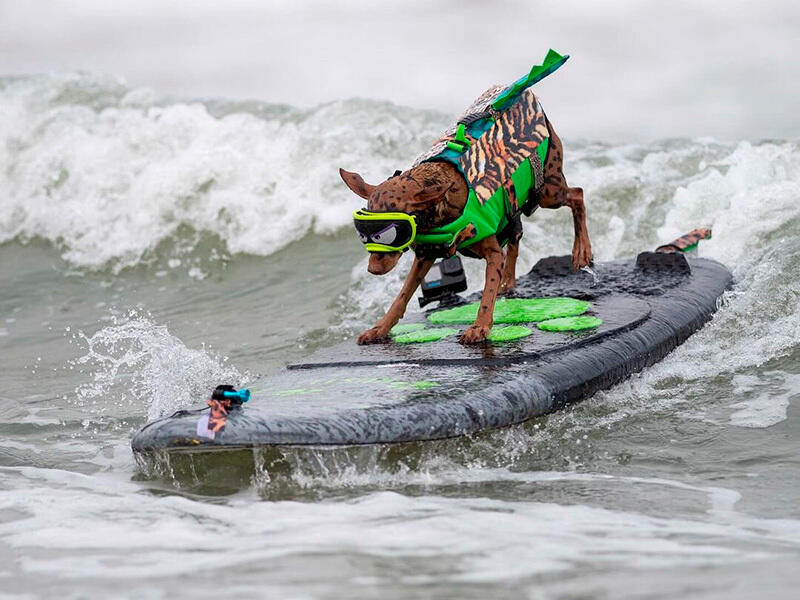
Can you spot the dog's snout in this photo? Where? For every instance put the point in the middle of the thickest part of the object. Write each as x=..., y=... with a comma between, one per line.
x=381, y=263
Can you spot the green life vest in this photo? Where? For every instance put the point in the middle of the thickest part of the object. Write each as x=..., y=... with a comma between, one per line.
x=500, y=146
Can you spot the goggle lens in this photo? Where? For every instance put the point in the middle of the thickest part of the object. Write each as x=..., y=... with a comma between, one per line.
x=384, y=232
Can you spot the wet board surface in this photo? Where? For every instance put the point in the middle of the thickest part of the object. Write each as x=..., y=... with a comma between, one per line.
x=617, y=311
x=389, y=393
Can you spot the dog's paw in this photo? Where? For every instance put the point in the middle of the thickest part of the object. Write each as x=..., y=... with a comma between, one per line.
x=581, y=256
x=475, y=334
x=506, y=286
x=376, y=335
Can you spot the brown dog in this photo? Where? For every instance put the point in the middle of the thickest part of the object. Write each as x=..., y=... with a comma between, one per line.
x=435, y=193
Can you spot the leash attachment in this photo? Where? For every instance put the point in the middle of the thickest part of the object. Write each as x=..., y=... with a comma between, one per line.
x=687, y=242
x=460, y=142
x=223, y=399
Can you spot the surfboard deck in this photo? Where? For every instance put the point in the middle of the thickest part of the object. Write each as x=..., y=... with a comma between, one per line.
x=390, y=393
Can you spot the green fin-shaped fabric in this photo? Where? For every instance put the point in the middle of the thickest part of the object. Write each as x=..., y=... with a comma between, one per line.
x=403, y=328
x=571, y=323
x=514, y=310
x=425, y=335
x=508, y=333
x=551, y=62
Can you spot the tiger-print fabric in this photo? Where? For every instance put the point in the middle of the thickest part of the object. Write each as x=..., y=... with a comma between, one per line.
x=218, y=415
x=492, y=158
x=514, y=137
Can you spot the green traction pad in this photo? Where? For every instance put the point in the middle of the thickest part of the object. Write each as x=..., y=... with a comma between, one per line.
x=570, y=324
x=509, y=333
x=404, y=328
x=514, y=310
x=420, y=336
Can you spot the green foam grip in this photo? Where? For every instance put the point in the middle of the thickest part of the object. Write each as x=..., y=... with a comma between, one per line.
x=422, y=336
x=509, y=333
x=570, y=323
x=513, y=310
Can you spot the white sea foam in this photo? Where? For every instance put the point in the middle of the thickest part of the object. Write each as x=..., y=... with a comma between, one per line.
x=760, y=412
x=764, y=399
x=120, y=533
x=744, y=196
x=107, y=173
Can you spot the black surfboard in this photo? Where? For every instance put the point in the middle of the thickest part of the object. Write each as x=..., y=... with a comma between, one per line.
x=389, y=393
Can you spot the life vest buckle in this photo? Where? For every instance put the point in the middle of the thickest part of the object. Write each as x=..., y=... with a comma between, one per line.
x=460, y=142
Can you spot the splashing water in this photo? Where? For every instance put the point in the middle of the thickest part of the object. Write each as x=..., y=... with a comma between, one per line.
x=591, y=272
x=138, y=362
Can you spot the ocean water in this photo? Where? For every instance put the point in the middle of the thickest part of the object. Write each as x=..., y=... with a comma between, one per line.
x=152, y=246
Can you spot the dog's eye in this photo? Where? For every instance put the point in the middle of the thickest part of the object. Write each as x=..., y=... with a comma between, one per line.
x=387, y=236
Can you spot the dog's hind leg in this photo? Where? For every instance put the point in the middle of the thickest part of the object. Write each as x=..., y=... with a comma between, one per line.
x=555, y=193
x=509, y=279
x=380, y=332
x=582, y=246
x=488, y=249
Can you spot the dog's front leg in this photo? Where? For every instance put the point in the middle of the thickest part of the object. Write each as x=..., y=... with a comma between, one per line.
x=380, y=332
x=489, y=249
x=581, y=247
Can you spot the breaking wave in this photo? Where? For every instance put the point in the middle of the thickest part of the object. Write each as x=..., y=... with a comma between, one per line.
x=106, y=173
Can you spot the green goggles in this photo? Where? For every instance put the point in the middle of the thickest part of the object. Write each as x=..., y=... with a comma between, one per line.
x=385, y=231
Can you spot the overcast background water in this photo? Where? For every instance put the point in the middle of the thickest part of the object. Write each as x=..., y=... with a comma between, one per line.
x=171, y=215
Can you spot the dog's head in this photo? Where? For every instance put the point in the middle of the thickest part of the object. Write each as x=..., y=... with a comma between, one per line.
x=399, y=193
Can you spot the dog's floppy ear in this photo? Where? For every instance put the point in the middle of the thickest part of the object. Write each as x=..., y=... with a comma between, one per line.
x=355, y=182
x=429, y=196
